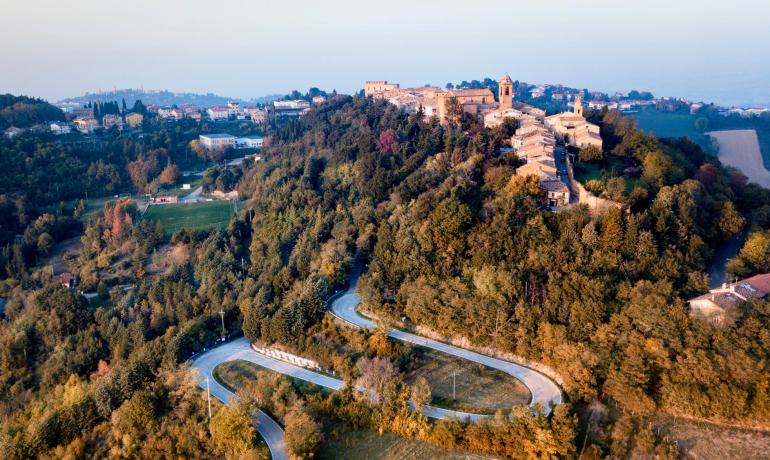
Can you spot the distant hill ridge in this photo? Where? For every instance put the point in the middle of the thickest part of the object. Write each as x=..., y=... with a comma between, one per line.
x=162, y=97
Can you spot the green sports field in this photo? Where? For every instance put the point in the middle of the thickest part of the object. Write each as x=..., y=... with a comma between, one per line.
x=195, y=216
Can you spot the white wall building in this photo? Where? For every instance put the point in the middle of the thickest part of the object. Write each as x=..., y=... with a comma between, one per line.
x=218, y=113
x=216, y=141
x=248, y=142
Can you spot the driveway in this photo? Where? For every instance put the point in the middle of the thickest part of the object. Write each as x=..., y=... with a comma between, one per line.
x=544, y=390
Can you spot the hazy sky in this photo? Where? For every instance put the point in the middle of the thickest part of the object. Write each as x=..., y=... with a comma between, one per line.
x=711, y=50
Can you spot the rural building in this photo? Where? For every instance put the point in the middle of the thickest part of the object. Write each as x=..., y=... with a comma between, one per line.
x=318, y=100
x=65, y=279
x=134, y=119
x=12, y=132
x=722, y=304
x=220, y=112
x=108, y=121
x=234, y=109
x=85, y=125
x=258, y=116
x=291, y=108
x=165, y=199
x=216, y=141
x=59, y=127
x=248, y=142
x=165, y=112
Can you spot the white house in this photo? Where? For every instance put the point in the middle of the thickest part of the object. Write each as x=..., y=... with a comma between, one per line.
x=59, y=127
x=165, y=112
x=218, y=112
x=12, y=132
x=248, y=142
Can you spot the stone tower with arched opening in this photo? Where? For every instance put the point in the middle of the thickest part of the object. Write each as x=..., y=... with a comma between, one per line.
x=505, y=92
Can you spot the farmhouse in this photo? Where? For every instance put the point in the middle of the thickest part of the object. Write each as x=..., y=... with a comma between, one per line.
x=134, y=119
x=12, y=132
x=722, y=304
x=108, y=121
x=59, y=127
x=65, y=279
x=165, y=199
x=85, y=125
x=216, y=141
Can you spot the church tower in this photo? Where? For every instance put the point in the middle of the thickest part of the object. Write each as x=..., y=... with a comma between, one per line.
x=505, y=92
x=579, y=106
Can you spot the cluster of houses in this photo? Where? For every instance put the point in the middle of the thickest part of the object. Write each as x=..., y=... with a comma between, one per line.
x=535, y=145
x=535, y=139
x=84, y=121
x=573, y=129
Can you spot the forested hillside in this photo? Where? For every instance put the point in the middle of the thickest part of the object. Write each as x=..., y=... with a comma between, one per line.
x=448, y=238
x=23, y=111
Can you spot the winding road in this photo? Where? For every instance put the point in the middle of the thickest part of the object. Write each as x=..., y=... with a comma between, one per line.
x=544, y=391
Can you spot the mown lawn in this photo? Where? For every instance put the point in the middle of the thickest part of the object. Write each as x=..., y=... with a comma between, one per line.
x=194, y=216
x=479, y=388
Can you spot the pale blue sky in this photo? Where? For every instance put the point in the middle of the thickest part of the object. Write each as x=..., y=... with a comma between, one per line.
x=711, y=50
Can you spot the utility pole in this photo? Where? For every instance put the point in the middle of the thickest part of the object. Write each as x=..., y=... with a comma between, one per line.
x=222, y=315
x=208, y=393
x=454, y=385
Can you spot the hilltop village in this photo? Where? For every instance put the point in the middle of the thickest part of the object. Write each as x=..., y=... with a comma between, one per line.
x=539, y=140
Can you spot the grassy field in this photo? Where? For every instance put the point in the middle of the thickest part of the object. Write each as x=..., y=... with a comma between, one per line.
x=479, y=388
x=370, y=445
x=740, y=148
x=712, y=442
x=195, y=216
x=668, y=124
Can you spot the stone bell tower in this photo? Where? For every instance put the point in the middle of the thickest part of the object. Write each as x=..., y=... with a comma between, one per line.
x=579, y=106
x=505, y=92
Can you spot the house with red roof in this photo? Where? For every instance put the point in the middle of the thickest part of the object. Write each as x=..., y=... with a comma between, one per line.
x=723, y=304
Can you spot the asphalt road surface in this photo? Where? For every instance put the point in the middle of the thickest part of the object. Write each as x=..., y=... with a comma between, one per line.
x=544, y=390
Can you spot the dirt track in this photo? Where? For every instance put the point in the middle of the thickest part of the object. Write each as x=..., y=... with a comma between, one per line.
x=740, y=148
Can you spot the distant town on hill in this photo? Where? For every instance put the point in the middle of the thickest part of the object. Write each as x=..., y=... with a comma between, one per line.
x=161, y=98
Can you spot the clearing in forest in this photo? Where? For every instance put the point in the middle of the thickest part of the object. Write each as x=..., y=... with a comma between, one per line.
x=194, y=216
